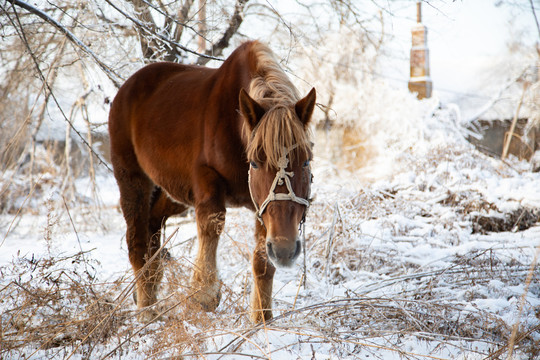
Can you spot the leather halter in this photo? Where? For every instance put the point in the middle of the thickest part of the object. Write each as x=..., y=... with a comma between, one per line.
x=281, y=176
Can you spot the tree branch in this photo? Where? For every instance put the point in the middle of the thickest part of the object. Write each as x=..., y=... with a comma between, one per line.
x=182, y=16
x=163, y=38
x=47, y=87
x=234, y=24
x=535, y=18
x=148, y=45
x=113, y=76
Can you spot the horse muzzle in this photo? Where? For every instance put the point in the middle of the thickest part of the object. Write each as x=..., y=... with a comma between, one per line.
x=282, y=252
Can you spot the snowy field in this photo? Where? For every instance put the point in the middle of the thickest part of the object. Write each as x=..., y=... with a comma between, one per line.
x=426, y=250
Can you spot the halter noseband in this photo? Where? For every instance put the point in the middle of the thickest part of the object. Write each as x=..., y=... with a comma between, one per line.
x=281, y=175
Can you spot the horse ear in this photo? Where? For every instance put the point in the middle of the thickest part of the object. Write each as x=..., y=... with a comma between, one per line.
x=304, y=107
x=250, y=109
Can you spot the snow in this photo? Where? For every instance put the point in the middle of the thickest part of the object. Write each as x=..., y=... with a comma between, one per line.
x=373, y=244
x=394, y=265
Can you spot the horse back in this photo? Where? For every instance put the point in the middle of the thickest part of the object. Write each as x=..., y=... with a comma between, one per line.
x=168, y=120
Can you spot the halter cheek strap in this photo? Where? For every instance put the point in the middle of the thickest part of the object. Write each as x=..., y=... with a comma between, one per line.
x=281, y=176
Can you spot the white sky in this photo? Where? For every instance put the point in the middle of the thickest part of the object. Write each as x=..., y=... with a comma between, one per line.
x=465, y=38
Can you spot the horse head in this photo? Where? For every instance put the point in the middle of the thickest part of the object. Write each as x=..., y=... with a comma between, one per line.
x=279, y=155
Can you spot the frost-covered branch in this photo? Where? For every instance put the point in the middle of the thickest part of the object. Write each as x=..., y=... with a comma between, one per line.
x=111, y=74
x=234, y=24
x=47, y=85
x=180, y=22
x=183, y=16
x=149, y=44
x=496, y=98
x=165, y=39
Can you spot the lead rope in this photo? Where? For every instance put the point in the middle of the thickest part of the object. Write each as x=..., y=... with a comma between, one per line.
x=302, y=231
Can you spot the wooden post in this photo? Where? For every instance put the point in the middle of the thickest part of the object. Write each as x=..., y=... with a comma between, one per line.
x=420, y=81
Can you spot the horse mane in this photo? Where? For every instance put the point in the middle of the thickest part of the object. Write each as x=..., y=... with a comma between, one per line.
x=279, y=129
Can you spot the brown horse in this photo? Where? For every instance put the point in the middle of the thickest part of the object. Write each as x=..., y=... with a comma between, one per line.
x=212, y=138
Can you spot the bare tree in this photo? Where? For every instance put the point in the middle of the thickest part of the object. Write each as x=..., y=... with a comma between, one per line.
x=62, y=61
x=161, y=40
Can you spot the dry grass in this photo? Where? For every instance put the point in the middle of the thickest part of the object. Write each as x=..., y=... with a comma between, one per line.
x=55, y=307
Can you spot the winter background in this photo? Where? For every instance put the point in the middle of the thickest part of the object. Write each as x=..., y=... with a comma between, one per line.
x=418, y=245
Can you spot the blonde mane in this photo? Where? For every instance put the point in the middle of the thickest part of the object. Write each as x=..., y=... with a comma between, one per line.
x=280, y=129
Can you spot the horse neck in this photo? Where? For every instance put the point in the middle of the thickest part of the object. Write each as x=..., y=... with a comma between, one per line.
x=253, y=66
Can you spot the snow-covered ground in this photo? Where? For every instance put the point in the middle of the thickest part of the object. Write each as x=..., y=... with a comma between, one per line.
x=400, y=263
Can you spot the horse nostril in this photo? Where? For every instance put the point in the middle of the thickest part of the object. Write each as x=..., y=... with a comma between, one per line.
x=270, y=250
x=297, y=250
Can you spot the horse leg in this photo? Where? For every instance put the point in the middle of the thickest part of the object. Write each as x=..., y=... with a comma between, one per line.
x=210, y=215
x=161, y=208
x=263, y=276
x=135, y=189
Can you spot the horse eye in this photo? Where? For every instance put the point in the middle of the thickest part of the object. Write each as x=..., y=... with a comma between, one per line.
x=306, y=163
x=254, y=165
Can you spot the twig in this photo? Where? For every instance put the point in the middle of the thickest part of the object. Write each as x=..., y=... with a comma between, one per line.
x=297, y=292
x=236, y=354
x=512, y=339
x=123, y=296
x=330, y=244
x=19, y=210
x=76, y=235
x=234, y=24
x=508, y=138
x=495, y=98
x=115, y=78
x=160, y=36
x=535, y=17
x=44, y=81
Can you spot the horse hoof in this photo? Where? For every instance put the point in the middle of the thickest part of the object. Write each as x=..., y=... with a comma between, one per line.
x=146, y=316
x=260, y=316
x=165, y=254
x=208, y=298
